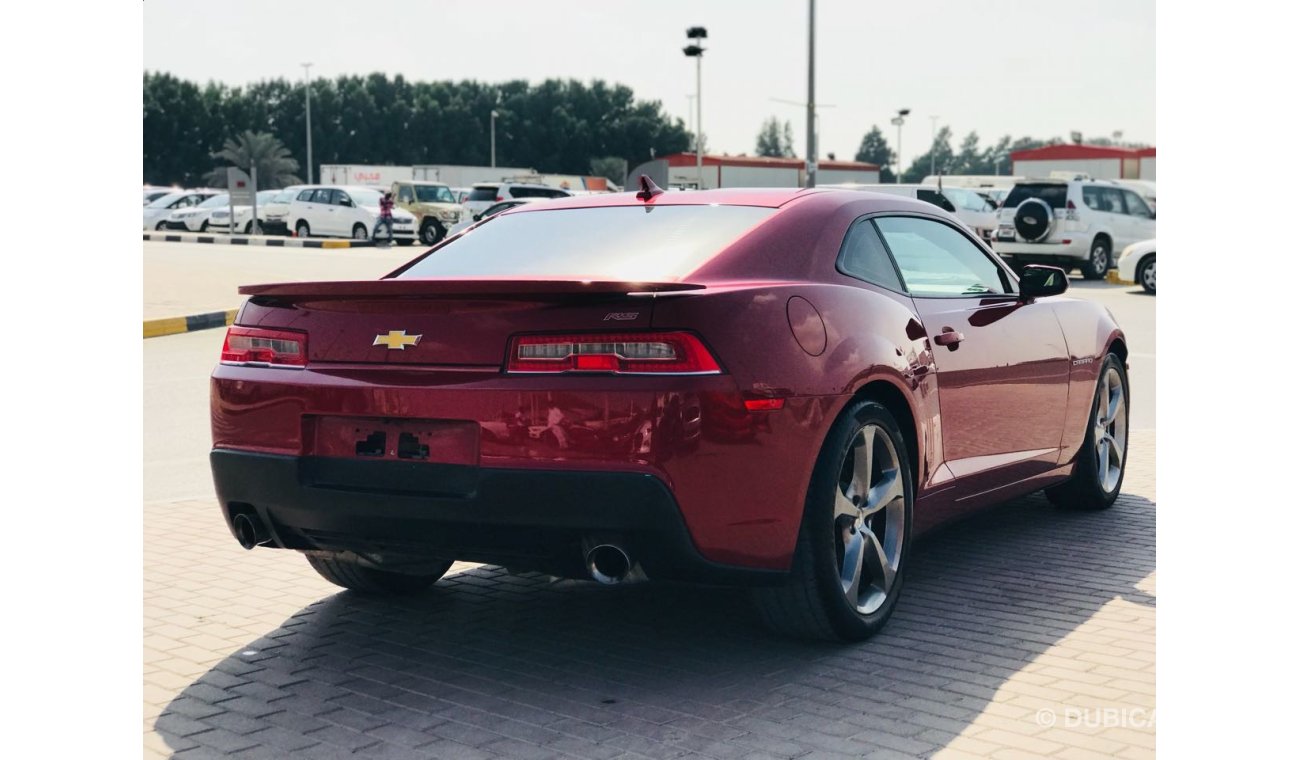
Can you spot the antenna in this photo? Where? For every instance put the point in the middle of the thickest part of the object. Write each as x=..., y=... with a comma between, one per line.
x=648, y=189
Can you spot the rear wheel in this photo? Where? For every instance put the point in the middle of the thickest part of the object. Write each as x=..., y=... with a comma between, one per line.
x=1099, y=467
x=204, y=226
x=853, y=544
x=160, y=226
x=342, y=570
x=359, y=232
x=1098, y=260
x=1147, y=274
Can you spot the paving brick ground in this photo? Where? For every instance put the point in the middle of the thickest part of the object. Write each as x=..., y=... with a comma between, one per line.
x=1023, y=632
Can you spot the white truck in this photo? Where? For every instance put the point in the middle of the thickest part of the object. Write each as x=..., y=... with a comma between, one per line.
x=364, y=176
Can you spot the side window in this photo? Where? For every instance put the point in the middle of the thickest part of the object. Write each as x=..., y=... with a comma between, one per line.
x=322, y=196
x=557, y=194
x=405, y=194
x=1092, y=198
x=341, y=198
x=863, y=256
x=937, y=260
x=519, y=192
x=1136, y=206
x=935, y=198
x=1112, y=200
x=306, y=195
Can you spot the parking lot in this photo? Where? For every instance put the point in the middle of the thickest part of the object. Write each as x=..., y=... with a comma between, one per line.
x=1025, y=631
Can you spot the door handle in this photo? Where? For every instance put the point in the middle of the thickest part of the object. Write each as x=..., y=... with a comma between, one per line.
x=950, y=338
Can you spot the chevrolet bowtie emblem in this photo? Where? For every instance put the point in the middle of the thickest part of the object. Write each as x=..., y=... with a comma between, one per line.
x=396, y=339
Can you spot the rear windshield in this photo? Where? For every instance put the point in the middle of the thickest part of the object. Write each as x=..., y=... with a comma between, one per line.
x=482, y=194
x=623, y=243
x=1053, y=193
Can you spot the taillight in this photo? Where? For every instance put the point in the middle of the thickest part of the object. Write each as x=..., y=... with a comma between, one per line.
x=1071, y=211
x=671, y=353
x=255, y=345
x=499, y=199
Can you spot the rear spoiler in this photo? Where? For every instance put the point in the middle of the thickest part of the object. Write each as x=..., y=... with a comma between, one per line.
x=405, y=288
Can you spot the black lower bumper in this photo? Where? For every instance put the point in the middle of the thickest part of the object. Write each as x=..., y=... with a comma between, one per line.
x=525, y=519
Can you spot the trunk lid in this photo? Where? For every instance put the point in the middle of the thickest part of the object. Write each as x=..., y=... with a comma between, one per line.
x=463, y=323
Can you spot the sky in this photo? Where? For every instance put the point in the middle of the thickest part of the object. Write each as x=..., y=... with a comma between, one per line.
x=1018, y=67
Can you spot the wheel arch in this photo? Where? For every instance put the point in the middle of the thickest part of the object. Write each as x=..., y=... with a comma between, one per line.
x=896, y=400
x=1104, y=235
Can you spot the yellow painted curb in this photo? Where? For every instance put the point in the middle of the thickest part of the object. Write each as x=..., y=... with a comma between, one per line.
x=154, y=328
x=1112, y=276
x=336, y=244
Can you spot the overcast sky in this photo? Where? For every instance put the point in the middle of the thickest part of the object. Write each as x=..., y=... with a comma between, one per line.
x=1019, y=67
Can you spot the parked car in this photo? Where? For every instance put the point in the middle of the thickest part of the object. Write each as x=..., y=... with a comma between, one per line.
x=196, y=218
x=157, y=211
x=1138, y=264
x=492, y=210
x=513, y=397
x=220, y=220
x=968, y=206
x=344, y=211
x=433, y=205
x=153, y=193
x=274, y=214
x=485, y=194
x=461, y=193
x=1075, y=223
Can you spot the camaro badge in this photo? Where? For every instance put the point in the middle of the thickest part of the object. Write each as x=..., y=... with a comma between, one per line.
x=397, y=339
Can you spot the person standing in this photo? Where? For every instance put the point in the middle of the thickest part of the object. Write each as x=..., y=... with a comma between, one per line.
x=385, y=217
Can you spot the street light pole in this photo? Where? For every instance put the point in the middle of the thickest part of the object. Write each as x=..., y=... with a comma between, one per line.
x=306, y=68
x=934, y=121
x=898, y=122
x=695, y=50
x=812, y=97
x=494, y=138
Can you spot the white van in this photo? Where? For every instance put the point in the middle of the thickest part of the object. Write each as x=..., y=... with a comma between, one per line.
x=344, y=211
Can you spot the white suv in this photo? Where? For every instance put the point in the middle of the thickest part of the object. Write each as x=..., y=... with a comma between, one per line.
x=344, y=211
x=1071, y=223
x=487, y=194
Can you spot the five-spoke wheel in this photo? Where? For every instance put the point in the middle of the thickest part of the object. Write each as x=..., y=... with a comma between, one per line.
x=869, y=517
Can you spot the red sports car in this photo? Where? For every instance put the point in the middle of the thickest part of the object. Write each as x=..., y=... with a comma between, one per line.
x=776, y=389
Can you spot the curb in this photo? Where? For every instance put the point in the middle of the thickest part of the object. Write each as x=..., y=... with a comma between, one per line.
x=272, y=242
x=1112, y=276
x=154, y=328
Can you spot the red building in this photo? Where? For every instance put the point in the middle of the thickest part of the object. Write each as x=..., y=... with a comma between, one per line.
x=757, y=171
x=1097, y=161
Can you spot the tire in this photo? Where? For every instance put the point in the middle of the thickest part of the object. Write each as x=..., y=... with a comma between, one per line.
x=1086, y=488
x=248, y=228
x=359, y=232
x=160, y=227
x=1146, y=274
x=1098, y=261
x=302, y=229
x=1034, y=220
x=431, y=232
x=814, y=601
x=203, y=227
x=348, y=573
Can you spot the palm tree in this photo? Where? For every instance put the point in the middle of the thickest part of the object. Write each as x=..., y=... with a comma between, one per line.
x=275, y=168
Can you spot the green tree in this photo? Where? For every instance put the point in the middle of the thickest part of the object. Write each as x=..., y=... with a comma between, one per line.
x=774, y=140
x=611, y=168
x=256, y=149
x=875, y=150
x=969, y=159
x=941, y=148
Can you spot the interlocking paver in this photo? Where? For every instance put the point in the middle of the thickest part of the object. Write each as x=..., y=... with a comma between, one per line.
x=1020, y=609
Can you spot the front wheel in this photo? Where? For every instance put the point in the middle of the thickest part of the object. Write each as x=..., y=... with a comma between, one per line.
x=359, y=232
x=302, y=229
x=1099, y=466
x=1098, y=260
x=853, y=543
x=431, y=232
x=1147, y=274
x=251, y=229
x=342, y=570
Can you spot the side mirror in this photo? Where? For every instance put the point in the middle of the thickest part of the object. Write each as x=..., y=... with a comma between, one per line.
x=1038, y=281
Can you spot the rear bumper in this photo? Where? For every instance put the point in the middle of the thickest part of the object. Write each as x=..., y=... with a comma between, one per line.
x=517, y=517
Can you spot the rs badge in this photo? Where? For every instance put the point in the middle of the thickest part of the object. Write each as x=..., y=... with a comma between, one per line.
x=396, y=339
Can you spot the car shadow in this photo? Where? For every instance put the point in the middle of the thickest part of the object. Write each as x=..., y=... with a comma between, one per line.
x=488, y=664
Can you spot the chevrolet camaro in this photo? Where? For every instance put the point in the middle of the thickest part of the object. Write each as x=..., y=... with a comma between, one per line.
x=776, y=389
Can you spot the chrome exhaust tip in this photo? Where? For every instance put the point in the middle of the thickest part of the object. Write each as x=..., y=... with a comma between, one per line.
x=608, y=564
x=250, y=531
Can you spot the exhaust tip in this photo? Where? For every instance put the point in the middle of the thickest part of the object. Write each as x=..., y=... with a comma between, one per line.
x=608, y=564
x=249, y=531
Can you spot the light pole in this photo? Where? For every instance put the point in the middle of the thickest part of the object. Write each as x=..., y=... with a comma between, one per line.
x=695, y=50
x=812, y=98
x=898, y=122
x=814, y=136
x=934, y=121
x=306, y=70
x=494, y=138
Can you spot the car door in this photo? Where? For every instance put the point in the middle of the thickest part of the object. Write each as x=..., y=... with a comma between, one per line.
x=1142, y=217
x=1002, y=364
x=1117, y=219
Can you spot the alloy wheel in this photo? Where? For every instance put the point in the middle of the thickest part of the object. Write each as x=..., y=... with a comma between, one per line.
x=1110, y=430
x=1100, y=259
x=1149, y=276
x=870, y=510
